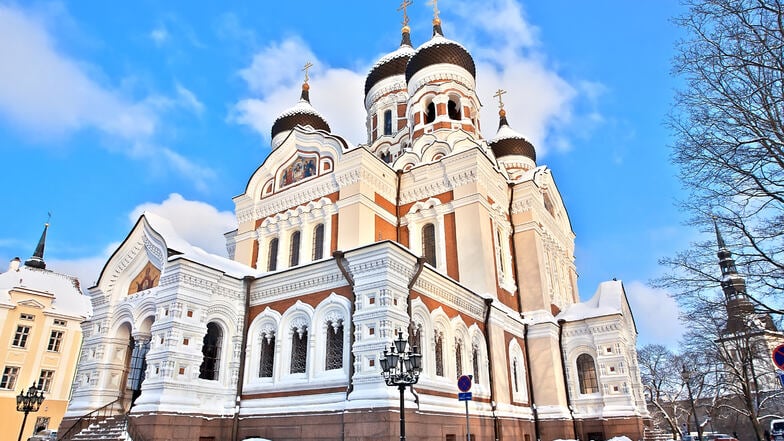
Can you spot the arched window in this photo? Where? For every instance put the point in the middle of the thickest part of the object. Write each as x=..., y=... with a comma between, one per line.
x=299, y=350
x=334, y=358
x=272, y=256
x=294, y=251
x=453, y=109
x=267, y=358
x=318, y=242
x=439, y=354
x=430, y=113
x=475, y=359
x=429, y=243
x=459, y=357
x=415, y=338
x=586, y=373
x=388, y=122
x=211, y=350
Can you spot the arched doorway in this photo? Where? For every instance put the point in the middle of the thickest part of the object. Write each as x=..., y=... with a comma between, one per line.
x=136, y=361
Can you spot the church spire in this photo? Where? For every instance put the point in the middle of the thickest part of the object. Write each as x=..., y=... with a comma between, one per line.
x=732, y=283
x=37, y=259
x=436, y=20
x=305, y=95
x=405, y=31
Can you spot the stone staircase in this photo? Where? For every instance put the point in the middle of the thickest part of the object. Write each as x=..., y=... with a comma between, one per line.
x=656, y=434
x=113, y=428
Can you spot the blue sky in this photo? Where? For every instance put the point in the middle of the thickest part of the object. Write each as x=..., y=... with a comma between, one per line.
x=108, y=109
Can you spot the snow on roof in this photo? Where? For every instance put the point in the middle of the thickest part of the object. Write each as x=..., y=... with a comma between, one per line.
x=402, y=51
x=437, y=40
x=67, y=297
x=608, y=300
x=303, y=106
x=193, y=253
x=506, y=132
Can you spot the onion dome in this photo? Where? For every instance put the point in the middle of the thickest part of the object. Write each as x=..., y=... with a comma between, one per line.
x=391, y=64
x=301, y=114
x=508, y=142
x=440, y=50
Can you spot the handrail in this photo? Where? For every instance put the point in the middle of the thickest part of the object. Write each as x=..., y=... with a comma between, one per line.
x=85, y=420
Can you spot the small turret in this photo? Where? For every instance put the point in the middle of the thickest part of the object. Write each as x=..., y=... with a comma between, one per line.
x=37, y=259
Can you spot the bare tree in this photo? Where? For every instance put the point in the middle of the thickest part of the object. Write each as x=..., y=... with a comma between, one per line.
x=664, y=390
x=729, y=144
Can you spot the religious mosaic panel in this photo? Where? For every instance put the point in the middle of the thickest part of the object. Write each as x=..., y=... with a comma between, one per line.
x=303, y=167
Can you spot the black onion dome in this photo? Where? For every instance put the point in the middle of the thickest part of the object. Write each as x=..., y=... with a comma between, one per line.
x=507, y=142
x=392, y=64
x=437, y=51
x=301, y=114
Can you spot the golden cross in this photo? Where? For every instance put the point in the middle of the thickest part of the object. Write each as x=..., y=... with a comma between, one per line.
x=435, y=8
x=500, y=95
x=403, y=6
x=308, y=65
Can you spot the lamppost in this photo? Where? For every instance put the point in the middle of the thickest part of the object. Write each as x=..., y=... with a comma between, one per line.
x=28, y=402
x=686, y=376
x=401, y=368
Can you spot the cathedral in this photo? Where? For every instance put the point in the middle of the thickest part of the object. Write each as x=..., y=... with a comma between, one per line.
x=459, y=244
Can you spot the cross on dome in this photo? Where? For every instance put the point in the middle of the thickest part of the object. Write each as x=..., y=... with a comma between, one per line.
x=434, y=3
x=308, y=65
x=403, y=6
x=500, y=95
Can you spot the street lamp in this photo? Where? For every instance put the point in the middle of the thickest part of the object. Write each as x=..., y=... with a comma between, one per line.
x=401, y=368
x=28, y=402
x=687, y=375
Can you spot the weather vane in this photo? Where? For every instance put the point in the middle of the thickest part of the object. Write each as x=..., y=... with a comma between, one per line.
x=435, y=8
x=403, y=6
x=49, y=218
x=500, y=95
x=308, y=65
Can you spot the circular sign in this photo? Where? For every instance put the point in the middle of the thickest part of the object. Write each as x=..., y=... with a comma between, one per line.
x=464, y=382
x=778, y=357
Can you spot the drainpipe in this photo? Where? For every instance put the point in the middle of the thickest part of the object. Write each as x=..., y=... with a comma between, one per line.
x=419, y=266
x=340, y=259
x=488, y=304
x=399, y=173
x=561, y=323
x=537, y=432
x=513, y=249
x=247, y=280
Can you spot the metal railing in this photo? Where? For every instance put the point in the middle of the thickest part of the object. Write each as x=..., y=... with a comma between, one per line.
x=95, y=416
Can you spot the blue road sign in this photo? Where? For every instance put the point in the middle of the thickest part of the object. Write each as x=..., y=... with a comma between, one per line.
x=778, y=357
x=781, y=379
x=464, y=396
x=464, y=383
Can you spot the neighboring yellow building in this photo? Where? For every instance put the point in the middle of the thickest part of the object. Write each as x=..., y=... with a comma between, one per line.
x=40, y=339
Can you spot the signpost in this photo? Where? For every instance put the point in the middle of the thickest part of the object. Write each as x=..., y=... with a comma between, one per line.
x=464, y=384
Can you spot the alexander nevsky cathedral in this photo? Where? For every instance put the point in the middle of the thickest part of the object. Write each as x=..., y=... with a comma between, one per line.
x=429, y=232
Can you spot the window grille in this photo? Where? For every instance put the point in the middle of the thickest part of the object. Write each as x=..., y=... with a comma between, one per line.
x=439, y=355
x=21, y=336
x=294, y=251
x=388, y=122
x=586, y=373
x=267, y=358
x=334, y=359
x=211, y=351
x=515, y=376
x=299, y=350
x=475, y=358
x=318, y=242
x=459, y=357
x=272, y=256
x=429, y=244
x=55, y=339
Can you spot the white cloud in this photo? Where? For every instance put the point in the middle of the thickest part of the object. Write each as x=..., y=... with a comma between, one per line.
x=46, y=93
x=656, y=314
x=86, y=269
x=275, y=76
x=540, y=103
x=199, y=223
x=159, y=36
